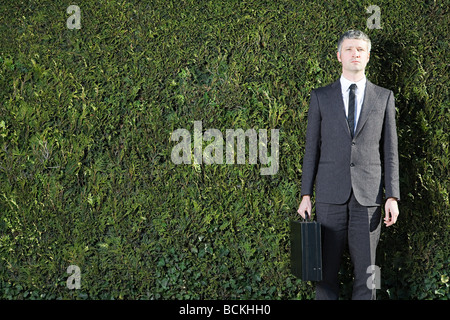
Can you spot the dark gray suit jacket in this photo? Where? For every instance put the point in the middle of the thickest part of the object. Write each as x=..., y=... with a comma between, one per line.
x=338, y=163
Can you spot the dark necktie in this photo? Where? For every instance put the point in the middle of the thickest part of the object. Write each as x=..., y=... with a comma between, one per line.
x=351, y=109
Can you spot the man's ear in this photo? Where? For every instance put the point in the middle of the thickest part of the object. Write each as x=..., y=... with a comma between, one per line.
x=338, y=56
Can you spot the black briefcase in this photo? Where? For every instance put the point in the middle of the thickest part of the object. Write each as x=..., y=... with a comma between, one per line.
x=306, y=250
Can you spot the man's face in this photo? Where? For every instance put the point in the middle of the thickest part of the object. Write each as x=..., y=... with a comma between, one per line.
x=354, y=55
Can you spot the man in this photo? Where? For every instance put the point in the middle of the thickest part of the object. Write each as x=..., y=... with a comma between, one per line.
x=351, y=146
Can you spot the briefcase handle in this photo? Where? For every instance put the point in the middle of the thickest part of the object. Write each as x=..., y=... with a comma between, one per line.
x=306, y=215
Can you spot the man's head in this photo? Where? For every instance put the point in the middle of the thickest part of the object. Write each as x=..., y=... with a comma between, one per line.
x=353, y=52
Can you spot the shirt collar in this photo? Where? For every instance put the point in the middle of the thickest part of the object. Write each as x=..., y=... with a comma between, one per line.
x=345, y=83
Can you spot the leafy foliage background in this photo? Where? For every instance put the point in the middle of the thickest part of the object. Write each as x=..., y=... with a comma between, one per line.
x=86, y=117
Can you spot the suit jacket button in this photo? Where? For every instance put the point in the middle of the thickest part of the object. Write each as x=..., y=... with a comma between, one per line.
x=352, y=164
x=353, y=143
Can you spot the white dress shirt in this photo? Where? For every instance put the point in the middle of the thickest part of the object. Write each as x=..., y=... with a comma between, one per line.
x=359, y=95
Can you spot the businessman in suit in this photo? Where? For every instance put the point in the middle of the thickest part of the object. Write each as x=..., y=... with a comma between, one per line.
x=350, y=155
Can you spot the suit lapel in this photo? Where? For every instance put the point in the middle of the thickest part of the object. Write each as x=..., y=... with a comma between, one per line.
x=370, y=98
x=337, y=96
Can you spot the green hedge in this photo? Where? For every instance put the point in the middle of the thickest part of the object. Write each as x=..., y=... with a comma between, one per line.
x=86, y=117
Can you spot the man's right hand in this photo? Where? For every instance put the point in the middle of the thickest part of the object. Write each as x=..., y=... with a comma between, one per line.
x=305, y=205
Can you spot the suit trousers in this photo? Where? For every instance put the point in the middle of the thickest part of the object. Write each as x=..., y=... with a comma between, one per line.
x=359, y=227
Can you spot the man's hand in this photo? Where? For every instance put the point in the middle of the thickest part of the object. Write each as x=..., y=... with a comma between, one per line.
x=391, y=211
x=305, y=205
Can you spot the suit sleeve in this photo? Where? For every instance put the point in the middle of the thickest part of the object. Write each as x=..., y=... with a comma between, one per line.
x=390, y=151
x=312, y=146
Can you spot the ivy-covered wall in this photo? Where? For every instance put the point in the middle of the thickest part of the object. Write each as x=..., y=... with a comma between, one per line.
x=87, y=117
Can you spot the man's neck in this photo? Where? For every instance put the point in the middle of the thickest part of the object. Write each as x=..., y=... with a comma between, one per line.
x=353, y=76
